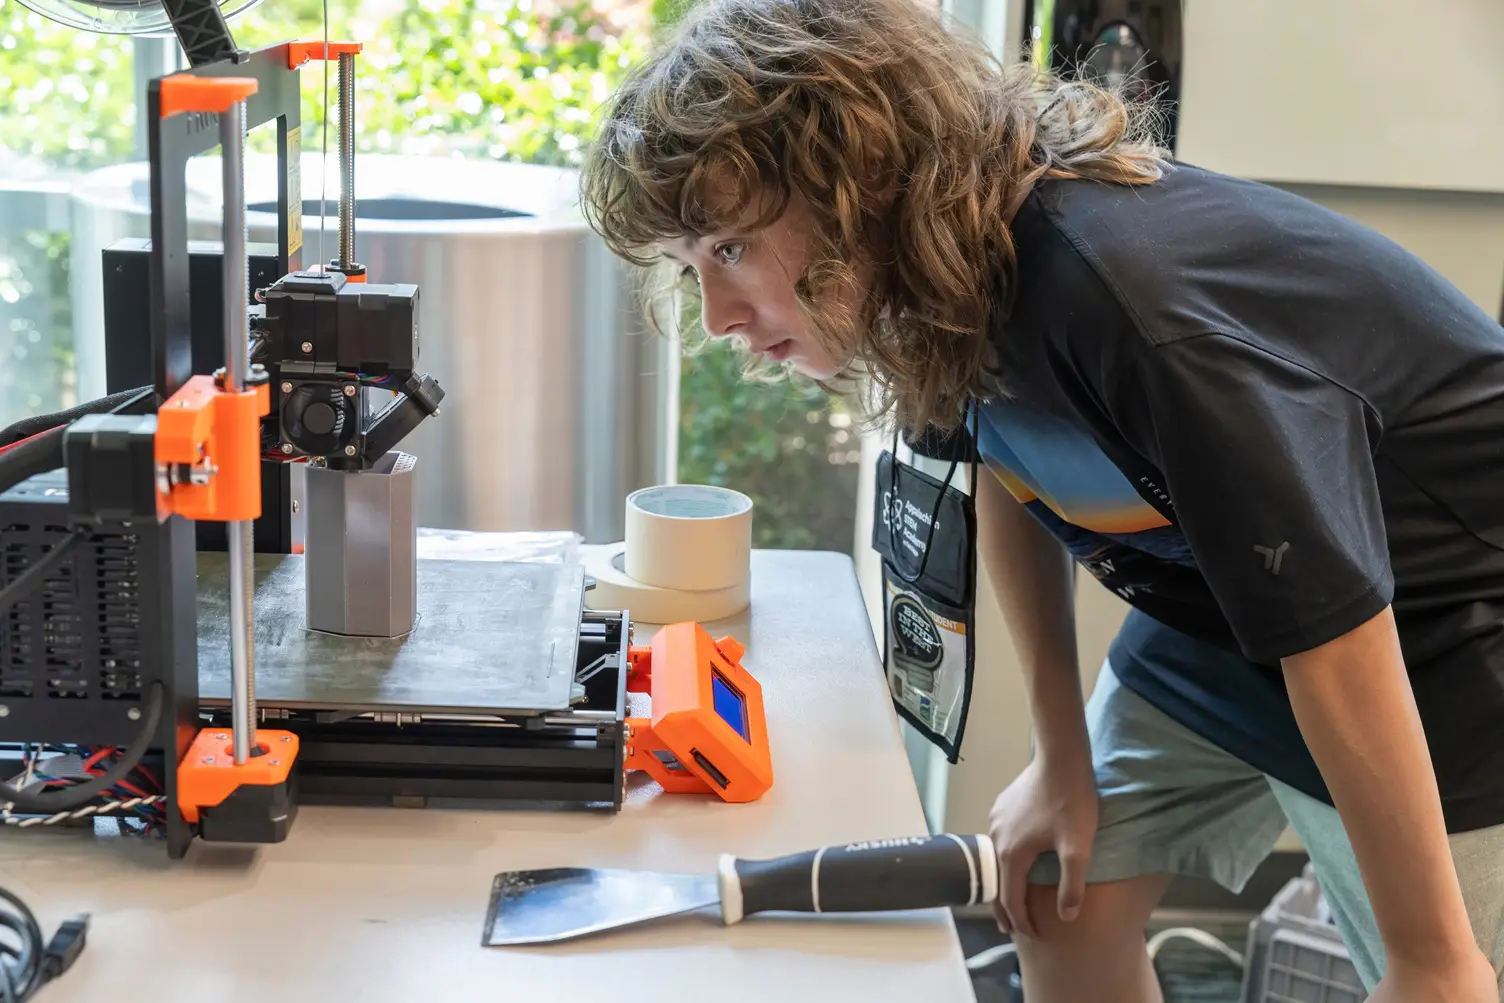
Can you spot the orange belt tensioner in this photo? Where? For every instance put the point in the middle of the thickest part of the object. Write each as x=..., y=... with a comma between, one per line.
x=708, y=732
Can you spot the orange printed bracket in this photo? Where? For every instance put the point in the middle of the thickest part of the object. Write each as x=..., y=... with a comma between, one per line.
x=208, y=774
x=209, y=442
x=299, y=53
x=708, y=731
x=183, y=93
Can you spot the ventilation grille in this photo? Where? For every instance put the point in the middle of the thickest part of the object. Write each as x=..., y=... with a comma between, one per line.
x=78, y=637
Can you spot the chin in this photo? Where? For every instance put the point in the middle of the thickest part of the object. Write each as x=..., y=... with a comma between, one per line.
x=819, y=365
x=814, y=371
x=815, y=366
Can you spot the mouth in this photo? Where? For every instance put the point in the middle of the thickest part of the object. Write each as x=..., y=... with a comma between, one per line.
x=778, y=351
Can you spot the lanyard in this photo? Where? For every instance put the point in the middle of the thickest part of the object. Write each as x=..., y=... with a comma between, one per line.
x=929, y=537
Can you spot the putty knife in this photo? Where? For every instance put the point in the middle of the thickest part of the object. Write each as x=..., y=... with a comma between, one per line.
x=922, y=872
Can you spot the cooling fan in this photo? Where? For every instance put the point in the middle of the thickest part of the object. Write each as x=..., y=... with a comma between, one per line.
x=122, y=17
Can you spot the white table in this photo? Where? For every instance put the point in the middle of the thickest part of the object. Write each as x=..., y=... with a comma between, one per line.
x=377, y=905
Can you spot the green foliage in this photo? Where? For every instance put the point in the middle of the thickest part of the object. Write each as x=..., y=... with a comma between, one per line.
x=497, y=79
x=1044, y=24
x=783, y=444
x=64, y=93
x=491, y=79
x=668, y=12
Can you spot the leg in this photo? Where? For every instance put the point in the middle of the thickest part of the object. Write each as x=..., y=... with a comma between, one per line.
x=1478, y=856
x=1171, y=803
x=1325, y=840
x=1101, y=955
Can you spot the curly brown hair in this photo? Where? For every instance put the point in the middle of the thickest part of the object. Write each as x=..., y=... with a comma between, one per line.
x=911, y=145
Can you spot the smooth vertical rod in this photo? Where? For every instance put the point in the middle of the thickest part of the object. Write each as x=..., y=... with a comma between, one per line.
x=237, y=363
x=236, y=274
x=346, y=160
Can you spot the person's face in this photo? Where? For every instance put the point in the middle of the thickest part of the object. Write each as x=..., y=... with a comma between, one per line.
x=747, y=284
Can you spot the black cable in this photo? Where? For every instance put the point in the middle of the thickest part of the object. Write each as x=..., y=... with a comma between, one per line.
x=27, y=427
x=21, y=977
x=77, y=796
x=34, y=576
x=27, y=459
x=36, y=961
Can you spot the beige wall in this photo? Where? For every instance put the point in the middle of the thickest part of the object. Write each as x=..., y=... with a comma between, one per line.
x=1387, y=93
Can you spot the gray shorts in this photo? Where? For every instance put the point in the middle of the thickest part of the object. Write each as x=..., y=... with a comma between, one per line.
x=1174, y=803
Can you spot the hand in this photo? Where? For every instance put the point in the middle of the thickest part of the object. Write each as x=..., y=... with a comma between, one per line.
x=1051, y=806
x=1471, y=979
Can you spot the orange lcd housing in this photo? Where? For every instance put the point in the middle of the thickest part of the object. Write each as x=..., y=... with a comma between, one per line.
x=707, y=732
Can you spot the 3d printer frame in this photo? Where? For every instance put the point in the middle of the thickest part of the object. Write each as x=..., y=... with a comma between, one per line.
x=127, y=595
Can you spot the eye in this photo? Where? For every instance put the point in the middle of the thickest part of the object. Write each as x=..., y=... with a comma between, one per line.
x=730, y=254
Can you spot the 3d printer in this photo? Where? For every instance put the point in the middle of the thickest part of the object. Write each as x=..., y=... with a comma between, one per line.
x=101, y=610
x=169, y=660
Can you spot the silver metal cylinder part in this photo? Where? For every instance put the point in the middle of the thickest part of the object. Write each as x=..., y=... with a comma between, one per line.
x=236, y=274
x=237, y=363
x=242, y=638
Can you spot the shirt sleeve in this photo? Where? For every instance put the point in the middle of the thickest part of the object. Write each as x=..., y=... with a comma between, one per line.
x=1270, y=474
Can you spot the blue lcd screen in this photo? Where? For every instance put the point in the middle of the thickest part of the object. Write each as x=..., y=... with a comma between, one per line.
x=730, y=705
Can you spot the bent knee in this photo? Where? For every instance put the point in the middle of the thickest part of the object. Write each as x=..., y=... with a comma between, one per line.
x=1110, y=923
x=1101, y=954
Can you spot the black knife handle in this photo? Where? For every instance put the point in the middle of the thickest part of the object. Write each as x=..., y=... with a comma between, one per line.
x=885, y=875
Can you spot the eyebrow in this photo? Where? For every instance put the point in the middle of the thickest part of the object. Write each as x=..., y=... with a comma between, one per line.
x=697, y=240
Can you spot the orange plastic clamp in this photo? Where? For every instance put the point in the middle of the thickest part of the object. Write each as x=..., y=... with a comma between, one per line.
x=208, y=774
x=642, y=755
x=299, y=53
x=185, y=92
x=680, y=671
x=219, y=433
x=639, y=668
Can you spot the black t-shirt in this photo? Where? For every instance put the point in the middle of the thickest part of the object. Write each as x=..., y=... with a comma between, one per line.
x=1260, y=423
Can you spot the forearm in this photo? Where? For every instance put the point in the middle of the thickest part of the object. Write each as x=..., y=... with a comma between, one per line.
x=1031, y=572
x=1353, y=702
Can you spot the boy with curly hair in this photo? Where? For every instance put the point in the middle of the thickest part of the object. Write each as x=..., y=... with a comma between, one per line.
x=1271, y=431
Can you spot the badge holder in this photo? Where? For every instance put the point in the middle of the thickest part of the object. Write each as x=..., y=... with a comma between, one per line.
x=925, y=531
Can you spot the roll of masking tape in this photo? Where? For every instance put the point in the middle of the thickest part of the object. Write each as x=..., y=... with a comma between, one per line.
x=689, y=536
x=615, y=589
x=687, y=556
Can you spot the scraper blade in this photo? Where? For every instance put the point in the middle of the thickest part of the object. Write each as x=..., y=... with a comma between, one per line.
x=918, y=872
x=538, y=907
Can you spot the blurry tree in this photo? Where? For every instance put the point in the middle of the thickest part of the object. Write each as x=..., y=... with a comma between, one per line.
x=516, y=80
x=63, y=104
x=504, y=79
x=783, y=444
x=65, y=94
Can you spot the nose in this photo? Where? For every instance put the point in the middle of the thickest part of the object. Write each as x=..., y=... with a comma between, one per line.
x=722, y=311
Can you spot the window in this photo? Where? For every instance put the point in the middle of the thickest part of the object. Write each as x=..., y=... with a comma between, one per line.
x=789, y=447
x=510, y=80
x=498, y=79
x=63, y=112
